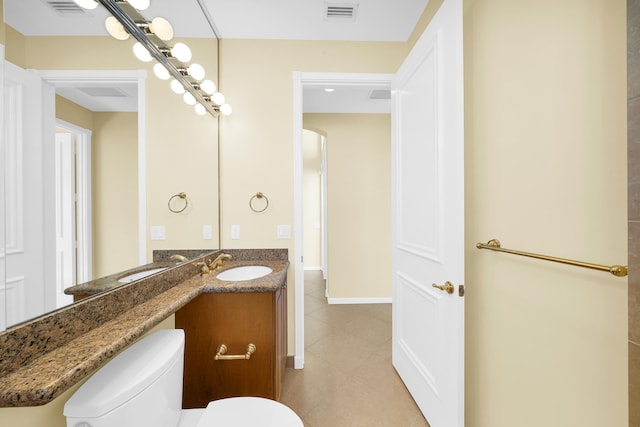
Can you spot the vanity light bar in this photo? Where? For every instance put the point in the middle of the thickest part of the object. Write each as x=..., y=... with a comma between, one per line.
x=130, y=19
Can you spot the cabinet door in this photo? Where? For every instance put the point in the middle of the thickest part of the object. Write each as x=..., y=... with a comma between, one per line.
x=236, y=320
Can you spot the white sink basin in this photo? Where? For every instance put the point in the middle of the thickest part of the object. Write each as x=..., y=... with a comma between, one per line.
x=140, y=275
x=247, y=272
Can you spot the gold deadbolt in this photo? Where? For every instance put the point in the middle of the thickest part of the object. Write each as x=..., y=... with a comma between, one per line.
x=447, y=287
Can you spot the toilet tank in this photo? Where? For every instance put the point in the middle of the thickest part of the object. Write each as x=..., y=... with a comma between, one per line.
x=140, y=387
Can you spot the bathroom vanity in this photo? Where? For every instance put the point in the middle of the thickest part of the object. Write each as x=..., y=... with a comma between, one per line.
x=235, y=320
x=46, y=356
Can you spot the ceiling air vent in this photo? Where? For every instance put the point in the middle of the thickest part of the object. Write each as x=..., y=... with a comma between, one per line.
x=380, y=94
x=65, y=7
x=340, y=11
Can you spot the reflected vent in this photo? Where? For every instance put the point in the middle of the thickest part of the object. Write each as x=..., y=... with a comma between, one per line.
x=380, y=94
x=65, y=7
x=340, y=11
x=110, y=92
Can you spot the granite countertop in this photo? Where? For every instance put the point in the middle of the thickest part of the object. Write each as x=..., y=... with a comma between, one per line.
x=112, y=281
x=161, y=259
x=42, y=358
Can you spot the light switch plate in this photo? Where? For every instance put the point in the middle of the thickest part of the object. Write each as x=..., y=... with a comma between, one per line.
x=235, y=232
x=158, y=232
x=284, y=232
x=207, y=232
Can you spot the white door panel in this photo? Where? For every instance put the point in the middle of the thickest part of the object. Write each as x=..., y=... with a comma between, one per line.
x=428, y=220
x=65, y=216
x=29, y=184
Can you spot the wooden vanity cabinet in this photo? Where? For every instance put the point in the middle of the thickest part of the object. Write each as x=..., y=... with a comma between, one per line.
x=236, y=320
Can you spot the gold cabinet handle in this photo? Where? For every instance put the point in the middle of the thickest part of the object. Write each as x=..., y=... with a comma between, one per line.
x=221, y=354
x=447, y=287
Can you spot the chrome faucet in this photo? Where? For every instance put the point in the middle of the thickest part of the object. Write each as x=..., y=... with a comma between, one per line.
x=178, y=258
x=218, y=261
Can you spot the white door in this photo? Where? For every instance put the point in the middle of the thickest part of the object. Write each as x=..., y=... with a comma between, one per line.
x=428, y=220
x=28, y=188
x=65, y=216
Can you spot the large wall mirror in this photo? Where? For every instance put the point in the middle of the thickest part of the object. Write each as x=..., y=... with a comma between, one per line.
x=88, y=128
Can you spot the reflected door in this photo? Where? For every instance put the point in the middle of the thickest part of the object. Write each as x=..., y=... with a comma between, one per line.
x=65, y=216
x=28, y=186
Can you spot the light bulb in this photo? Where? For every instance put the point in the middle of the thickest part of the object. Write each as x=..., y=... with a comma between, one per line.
x=200, y=109
x=139, y=4
x=115, y=28
x=217, y=98
x=188, y=98
x=161, y=28
x=87, y=4
x=177, y=87
x=141, y=52
x=208, y=87
x=181, y=52
x=196, y=71
x=225, y=109
x=161, y=72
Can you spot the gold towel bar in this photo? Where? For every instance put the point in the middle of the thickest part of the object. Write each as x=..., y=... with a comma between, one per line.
x=616, y=270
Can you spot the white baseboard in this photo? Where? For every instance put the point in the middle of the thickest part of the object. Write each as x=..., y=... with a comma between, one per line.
x=312, y=268
x=359, y=300
x=298, y=362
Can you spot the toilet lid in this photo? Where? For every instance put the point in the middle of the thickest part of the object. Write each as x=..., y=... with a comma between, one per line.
x=249, y=412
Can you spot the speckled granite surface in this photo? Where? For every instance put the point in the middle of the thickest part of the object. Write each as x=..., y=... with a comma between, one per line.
x=42, y=358
x=161, y=259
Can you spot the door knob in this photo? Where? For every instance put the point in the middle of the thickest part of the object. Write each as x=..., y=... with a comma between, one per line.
x=447, y=287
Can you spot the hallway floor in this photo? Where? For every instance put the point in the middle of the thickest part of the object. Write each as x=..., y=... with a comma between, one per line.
x=348, y=379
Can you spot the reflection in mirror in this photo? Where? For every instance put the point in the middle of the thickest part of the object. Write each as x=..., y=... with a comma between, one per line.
x=40, y=39
x=3, y=285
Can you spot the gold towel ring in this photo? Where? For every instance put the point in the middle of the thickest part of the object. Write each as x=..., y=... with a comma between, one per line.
x=258, y=195
x=183, y=196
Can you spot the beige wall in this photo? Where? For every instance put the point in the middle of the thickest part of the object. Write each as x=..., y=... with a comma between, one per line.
x=73, y=113
x=312, y=207
x=114, y=188
x=545, y=136
x=15, y=46
x=359, y=203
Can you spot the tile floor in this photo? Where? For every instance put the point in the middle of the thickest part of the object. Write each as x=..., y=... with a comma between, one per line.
x=348, y=379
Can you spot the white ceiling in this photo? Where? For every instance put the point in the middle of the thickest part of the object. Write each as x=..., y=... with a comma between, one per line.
x=375, y=20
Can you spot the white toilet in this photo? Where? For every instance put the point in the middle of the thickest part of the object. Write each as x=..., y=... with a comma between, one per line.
x=142, y=387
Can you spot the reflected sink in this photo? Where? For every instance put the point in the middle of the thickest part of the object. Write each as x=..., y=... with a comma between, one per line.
x=140, y=275
x=247, y=272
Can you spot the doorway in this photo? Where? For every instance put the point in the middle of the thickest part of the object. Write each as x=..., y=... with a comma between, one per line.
x=73, y=208
x=98, y=80
x=302, y=81
x=315, y=198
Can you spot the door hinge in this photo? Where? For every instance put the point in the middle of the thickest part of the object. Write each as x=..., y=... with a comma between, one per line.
x=460, y=290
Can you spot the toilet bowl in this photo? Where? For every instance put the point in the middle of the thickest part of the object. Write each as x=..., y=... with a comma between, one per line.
x=142, y=387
